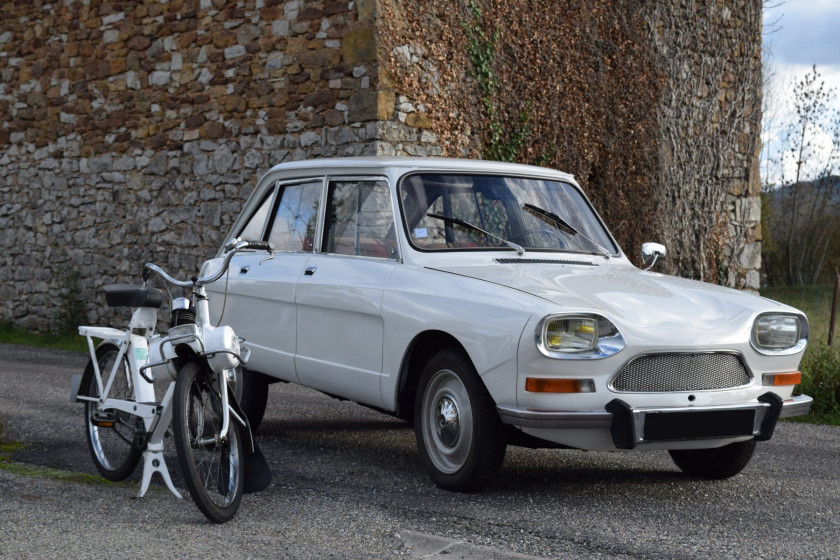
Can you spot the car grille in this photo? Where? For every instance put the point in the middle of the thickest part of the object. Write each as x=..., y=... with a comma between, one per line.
x=681, y=372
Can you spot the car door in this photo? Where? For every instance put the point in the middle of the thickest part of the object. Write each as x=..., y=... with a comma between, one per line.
x=261, y=290
x=339, y=297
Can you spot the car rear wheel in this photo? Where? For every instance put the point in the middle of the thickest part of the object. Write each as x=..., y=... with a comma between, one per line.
x=252, y=394
x=461, y=440
x=718, y=463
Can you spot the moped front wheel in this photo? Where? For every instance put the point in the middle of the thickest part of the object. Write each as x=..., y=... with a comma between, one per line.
x=212, y=465
x=112, y=435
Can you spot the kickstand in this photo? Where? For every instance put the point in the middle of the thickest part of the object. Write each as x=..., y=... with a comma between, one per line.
x=153, y=462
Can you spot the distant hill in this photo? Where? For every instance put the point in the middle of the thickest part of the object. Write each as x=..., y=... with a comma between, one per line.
x=831, y=183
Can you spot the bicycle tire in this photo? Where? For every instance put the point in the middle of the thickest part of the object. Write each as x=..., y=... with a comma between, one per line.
x=212, y=468
x=114, y=447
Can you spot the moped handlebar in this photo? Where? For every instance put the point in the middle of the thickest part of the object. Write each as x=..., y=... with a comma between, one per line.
x=230, y=249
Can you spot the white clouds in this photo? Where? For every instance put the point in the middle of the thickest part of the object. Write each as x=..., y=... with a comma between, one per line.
x=804, y=32
x=798, y=34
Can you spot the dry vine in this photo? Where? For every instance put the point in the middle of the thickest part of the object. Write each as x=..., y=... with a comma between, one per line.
x=709, y=122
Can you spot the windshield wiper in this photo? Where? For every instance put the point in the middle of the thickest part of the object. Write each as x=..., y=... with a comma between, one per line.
x=468, y=225
x=545, y=215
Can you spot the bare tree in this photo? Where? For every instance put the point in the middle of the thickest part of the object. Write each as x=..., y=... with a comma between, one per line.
x=804, y=209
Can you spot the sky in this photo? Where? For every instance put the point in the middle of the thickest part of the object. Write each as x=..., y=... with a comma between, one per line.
x=797, y=35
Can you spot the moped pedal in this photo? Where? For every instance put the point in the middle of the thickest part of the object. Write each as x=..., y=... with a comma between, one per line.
x=103, y=420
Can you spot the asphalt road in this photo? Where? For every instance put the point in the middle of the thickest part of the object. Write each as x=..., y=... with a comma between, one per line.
x=348, y=484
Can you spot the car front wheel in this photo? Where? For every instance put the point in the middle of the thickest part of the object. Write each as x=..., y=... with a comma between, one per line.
x=717, y=463
x=462, y=442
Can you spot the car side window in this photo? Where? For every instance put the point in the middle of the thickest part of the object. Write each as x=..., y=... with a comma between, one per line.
x=296, y=218
x=360, y=220
x=253, y=230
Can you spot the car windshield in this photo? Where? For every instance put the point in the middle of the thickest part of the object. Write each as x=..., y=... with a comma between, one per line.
x=536, y=214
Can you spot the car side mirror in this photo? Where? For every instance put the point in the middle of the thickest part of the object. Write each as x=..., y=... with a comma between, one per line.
x=651, y=252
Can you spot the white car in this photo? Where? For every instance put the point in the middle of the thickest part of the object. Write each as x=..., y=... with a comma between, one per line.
x=488, y=304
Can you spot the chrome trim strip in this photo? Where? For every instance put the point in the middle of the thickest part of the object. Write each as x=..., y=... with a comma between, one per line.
x=594, y=419
x=796, y=406
x=555, y=419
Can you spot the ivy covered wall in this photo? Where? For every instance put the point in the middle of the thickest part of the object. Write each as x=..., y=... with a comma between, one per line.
x=654, y=106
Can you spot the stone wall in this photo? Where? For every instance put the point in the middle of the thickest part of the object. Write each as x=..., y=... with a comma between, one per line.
x=133, y=131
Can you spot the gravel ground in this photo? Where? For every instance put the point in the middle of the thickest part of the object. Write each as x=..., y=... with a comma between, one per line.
x=348, y=484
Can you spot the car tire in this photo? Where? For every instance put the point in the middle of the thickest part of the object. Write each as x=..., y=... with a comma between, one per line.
x=461, y=440
x=718, y=463
x=253, y=397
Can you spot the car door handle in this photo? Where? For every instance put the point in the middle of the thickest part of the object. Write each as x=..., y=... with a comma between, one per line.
x=245, y=269
x=310, y=270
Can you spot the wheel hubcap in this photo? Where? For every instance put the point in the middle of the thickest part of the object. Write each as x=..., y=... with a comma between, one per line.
x=448, y=424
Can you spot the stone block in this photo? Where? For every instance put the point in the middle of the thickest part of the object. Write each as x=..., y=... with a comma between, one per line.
x=418, y=120
x=320, y=58
x=370, y=105
x=234, y=52
x=320, y=100
x=280, y=28
x=366, y=9
x=292, y=9
x=309, y=138
x=224, y=39
x=359, y=47
x=212, y=130
x=159, y=78
x=275, y=61
x=224, y=160
x=157, y=166
x=111, y=36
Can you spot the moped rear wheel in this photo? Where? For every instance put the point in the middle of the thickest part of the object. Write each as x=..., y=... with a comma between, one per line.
x=112, y=435
x=212, y=465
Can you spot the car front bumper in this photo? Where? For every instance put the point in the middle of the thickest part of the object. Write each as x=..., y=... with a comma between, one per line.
x=630, y=426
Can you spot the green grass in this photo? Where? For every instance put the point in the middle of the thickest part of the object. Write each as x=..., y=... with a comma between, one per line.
x=7, y=448
x=10, y=334
x=23, y=469
x=821, y=363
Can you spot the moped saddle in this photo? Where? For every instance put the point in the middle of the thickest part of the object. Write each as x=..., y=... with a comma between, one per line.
x=129, y=295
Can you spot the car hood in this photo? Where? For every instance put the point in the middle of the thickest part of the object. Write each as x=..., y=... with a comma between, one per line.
x=645, y=305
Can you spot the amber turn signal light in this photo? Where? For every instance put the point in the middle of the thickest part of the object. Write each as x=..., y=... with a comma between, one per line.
x=553, y=385
x=781, y=379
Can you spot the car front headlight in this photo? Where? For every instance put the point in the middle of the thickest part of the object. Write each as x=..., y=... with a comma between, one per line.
x=779, y=333
x=570, y=334
x=583, y=336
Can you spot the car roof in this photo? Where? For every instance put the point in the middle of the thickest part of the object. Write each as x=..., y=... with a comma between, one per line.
x=419, y=164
